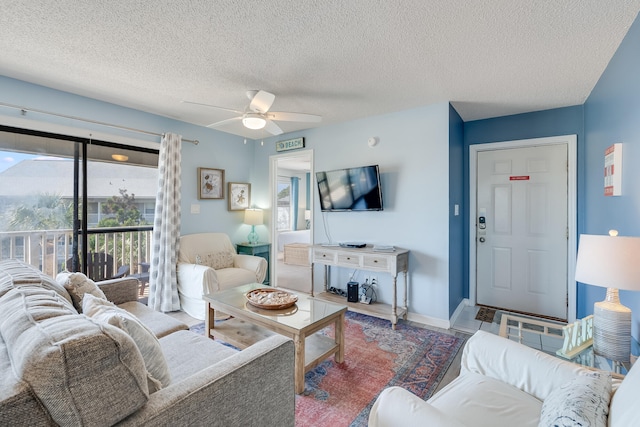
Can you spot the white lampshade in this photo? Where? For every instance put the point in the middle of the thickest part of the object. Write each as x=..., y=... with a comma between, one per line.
x=610, y=262
x=253, y=121
x=253, y=216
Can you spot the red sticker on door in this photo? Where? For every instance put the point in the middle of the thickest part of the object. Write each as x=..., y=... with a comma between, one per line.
x=519, y=178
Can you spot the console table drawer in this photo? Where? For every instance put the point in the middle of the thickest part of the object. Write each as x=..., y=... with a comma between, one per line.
x=348, y=260
x=324, y=256
x=376, y=263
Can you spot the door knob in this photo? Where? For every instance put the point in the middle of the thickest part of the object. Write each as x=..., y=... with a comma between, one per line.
x=482, y=239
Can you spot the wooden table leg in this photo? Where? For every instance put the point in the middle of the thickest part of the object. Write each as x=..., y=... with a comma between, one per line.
x=339, y=333
x=406, y=306
x=298, y=341
x=312, y=280
x=326, y=275
x=394, y=303
x=209, y=320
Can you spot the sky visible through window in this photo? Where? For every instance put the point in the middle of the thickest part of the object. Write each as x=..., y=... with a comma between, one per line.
x=11, y=158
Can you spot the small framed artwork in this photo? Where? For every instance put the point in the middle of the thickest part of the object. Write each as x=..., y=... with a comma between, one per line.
x=239, y=196
x=210, y=183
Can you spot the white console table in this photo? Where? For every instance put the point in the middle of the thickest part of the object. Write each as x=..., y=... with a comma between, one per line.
x=364, y=259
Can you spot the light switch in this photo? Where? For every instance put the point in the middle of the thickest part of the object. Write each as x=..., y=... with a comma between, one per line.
x=456, y=209
x=195, y=208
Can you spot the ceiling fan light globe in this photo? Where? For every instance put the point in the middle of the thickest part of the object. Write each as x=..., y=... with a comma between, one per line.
x=253, y=121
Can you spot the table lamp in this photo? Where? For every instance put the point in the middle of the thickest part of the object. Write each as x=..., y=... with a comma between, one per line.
x=307, y=219
x=614, y=263
x=253, y=217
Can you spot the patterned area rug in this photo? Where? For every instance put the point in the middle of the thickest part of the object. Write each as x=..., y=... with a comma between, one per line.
x=376, y=357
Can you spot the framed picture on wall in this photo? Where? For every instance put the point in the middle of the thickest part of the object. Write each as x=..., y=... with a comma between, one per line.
x=239, y=196
x=210, y=183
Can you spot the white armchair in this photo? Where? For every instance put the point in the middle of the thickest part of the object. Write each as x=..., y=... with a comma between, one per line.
x=207, y=263
x=503, y=383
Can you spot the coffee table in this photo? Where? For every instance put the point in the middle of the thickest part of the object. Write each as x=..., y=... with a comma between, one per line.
x=300, y=322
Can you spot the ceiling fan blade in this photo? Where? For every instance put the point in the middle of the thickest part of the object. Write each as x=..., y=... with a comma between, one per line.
x=212, y=106
x=273, y=128
x=294, y=117
x=262, y=101
x=224, y=122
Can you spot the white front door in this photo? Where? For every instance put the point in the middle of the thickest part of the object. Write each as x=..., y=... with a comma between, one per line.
x=522, y=229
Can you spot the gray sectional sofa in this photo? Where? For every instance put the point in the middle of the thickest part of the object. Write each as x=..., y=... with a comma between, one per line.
x=59, y=367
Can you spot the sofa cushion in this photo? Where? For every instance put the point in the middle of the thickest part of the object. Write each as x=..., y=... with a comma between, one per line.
x=396, y=406
x=487, y=402
x=77, y=284
x=18, y=404
x=82, y=372
x=15, y=273
x=532, y=371
x=192, y=245
x=232, y=277
x=583, y=401
x=203, y=352
x=159, y=323
x=156, y=365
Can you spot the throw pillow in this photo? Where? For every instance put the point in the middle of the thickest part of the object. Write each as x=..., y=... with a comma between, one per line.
x=158, y=375
x=77, y=284
x=217, y=260
x=583, y=401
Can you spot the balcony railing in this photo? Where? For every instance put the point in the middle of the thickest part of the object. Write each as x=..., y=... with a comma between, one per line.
x=50, y=250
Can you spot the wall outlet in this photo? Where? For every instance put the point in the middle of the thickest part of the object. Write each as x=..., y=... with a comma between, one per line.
x=373, y=280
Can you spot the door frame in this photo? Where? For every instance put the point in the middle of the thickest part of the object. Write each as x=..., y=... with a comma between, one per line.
x=273, y=194
x=571, y=142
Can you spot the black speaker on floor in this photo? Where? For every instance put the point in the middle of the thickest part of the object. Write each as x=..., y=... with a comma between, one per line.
x=352, y=291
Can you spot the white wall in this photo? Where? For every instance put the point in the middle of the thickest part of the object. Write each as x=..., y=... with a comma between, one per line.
x=413, y=158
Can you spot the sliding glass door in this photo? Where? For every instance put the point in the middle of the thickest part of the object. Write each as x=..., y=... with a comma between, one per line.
x=64, y=200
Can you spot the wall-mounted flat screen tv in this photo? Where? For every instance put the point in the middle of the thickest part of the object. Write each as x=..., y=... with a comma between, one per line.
x=352, y=189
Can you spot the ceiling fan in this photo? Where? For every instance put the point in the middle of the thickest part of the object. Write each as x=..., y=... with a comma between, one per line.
x=257, y=115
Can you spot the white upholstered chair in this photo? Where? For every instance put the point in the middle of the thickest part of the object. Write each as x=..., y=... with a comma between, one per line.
x=207, y=263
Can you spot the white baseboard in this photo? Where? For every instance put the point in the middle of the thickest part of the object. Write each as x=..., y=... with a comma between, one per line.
x=464, y=303
x=439, y=323
x=429, y=321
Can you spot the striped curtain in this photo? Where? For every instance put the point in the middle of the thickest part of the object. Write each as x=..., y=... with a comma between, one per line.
x=163, y=284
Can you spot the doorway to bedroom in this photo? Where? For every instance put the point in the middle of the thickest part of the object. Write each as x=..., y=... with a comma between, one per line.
x=292, y=189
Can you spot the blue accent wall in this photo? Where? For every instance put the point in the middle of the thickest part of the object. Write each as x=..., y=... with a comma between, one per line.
x=458, y=283
x=539, y=124
x=612, y=114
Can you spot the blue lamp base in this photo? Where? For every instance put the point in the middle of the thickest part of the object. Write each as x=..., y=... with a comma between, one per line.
x=253, y=236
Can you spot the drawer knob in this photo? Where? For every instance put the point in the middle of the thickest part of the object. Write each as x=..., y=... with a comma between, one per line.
x=348, y=258
x=375, y=261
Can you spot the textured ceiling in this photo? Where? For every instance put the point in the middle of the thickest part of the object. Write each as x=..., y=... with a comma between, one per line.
x=338, y=59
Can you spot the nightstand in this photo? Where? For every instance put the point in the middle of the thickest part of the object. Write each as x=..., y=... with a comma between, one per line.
x=257, y=249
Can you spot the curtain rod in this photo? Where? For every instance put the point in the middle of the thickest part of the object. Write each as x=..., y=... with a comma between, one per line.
x=24, y=111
